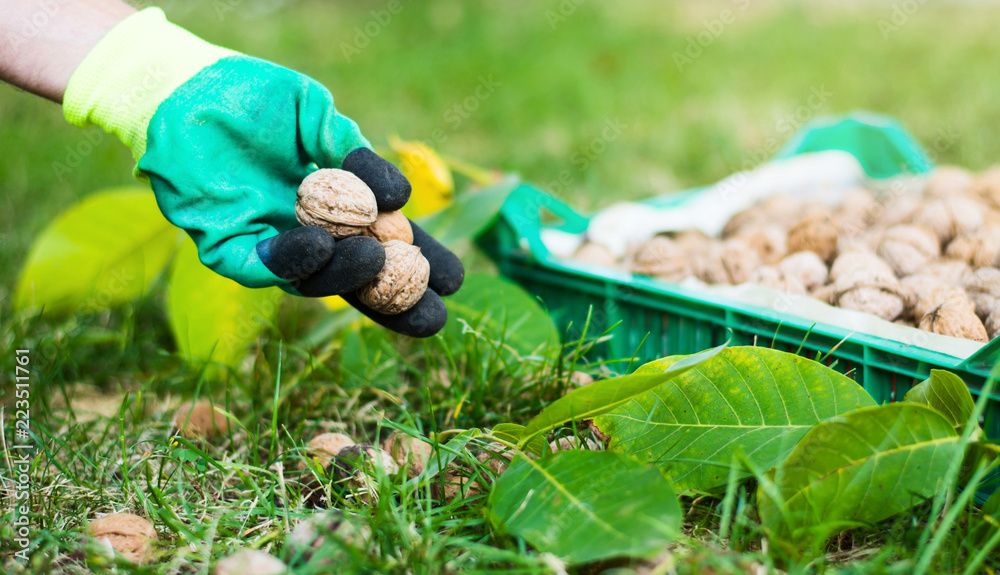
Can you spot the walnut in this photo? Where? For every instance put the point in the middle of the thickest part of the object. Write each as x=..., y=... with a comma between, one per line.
x=770, y=241
x=581, y=378
x=806, y=267
x=951, y=271
x=596, y=254
x=936, y=295
x=986, y=185
x=914, y=287
x=324, y=447
x=773, y=278
x=200, y=420
x=401, y=282
x=410, y=453
x=356, y=469
x=857, y=210
x=908, y=248
x=954, y=319
x=324, y=529
x=983, y=288
x=337, y=201
x=947, y=181
x=574, y=442
x=251, y=562
x=691, y=241
x=391, y=226
x=816, y=233
x=869, y=291
x=979, y=249
x=900, y=210
x=662, y=258
x=948, y=218
x=456, y=482
x=782, y=209
x=824, y=293
x=992, y=322
x=855, y=260
x=127, y=534
x=728, y=262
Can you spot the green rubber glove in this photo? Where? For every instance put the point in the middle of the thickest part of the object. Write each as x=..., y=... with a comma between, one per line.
x=224, y=140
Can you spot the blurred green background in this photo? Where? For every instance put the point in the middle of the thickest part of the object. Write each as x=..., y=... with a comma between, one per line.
x=597, y=101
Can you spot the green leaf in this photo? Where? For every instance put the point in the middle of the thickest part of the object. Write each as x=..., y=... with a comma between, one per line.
x=512, y=433
x=469, y=214
x=750, y=400
x=606, y=394
x=103, y=251
x=500, y=310
x=861, y=467
x=945, y=392
x=212, y=316
x=586, y=505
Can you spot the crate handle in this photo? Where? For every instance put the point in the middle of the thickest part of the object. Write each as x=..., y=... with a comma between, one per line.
x=985, y=357
x=523, y=213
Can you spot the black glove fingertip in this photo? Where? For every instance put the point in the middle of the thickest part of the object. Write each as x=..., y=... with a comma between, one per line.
x=447, y=271
x=390, y=186
x=355, y=262
x=297, y=253
x=422, y=320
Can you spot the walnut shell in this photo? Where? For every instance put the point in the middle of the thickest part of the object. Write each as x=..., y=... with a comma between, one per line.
x=908, y=248
x=937, y=295
x=857, y=210
x=815, y=233
x=595, y=253
x=337, y=201
x=951, y=271
x=401, y=282
x=728, y=262
x=946, y=181
x=914, y=287
x=324, y=447
x=127, y=534
x=581, y=378
x=954, y=319
x=806, y=267
x=316, y=532
x=410, y=453
x=948, y=218
x=770, y=241
x=356, y=470
x=391, y=226
x=662, y=258
x=574, y=442
x=900, y=210
x=983, y=288
x=496, y=457
x=869, y=291
x=773, y=278
x=455, y=482
x=854, y=260
x=979, y=249
x=691, y=241
x=825, y=294
x=992, y=322
x=986, y=185
x=251, y=562
x=200, y=420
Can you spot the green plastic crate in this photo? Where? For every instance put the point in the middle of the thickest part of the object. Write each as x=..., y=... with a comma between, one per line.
x=667, y=319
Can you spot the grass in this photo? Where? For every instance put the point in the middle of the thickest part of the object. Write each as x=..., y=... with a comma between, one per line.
x=104, y=385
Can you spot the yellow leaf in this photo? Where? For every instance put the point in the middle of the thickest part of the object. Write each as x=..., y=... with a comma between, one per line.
x=429, y=176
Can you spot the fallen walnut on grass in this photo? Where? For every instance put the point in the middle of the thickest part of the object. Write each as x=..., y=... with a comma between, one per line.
x=356, y=469
x=324, y=448
x=127, y=534
x=410, y=453
x=251, y=562
x=326, y=533
x=196, y=420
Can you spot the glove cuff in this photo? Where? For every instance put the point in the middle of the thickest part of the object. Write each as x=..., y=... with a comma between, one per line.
x=133, y=69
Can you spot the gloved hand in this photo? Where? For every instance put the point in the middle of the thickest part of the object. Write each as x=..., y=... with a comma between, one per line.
x=225, y=140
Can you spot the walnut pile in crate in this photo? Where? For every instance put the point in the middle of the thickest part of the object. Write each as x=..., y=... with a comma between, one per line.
x=927, y=260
